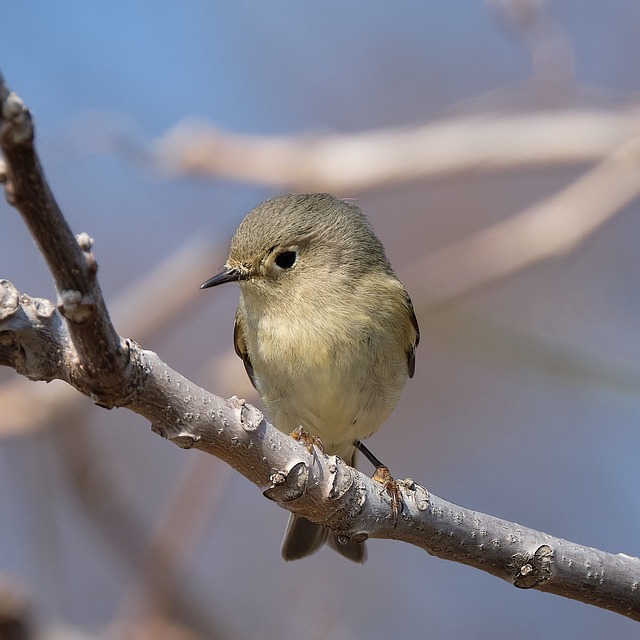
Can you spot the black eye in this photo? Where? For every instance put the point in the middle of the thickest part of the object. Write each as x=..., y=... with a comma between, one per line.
x=286, y=259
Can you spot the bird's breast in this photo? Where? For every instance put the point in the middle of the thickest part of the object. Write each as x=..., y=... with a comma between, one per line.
x=335, y=372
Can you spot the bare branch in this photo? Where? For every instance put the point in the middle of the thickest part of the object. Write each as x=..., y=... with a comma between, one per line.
x=26, y=408
x=326, y=490
x=41, y=341
x=96, y=345
x=15, y=611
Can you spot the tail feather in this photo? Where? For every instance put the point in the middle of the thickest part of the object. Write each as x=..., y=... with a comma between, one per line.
x=303, y=537
x=354, y=551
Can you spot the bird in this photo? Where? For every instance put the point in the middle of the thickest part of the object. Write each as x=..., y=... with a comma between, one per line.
x=325, y=330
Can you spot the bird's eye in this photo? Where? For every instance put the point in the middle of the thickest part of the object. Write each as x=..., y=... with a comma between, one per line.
x=286, y=259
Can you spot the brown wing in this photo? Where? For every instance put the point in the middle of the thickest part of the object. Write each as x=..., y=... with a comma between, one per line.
x=411, y=353
x=240, y=345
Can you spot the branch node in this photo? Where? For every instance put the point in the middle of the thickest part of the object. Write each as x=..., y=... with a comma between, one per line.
x=86, y=243
x=18, y=128
x=356, y=537
x=249, y=417
x=529, y=570
x=74, y=307
x=287, y=486
x=185, y=440
x=418, y=493
x=9, y=299
x=342, y=479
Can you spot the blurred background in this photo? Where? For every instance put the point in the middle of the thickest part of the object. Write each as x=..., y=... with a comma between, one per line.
x=490, y=144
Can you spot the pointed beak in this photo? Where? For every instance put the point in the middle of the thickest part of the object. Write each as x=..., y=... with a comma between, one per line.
x=228, y=274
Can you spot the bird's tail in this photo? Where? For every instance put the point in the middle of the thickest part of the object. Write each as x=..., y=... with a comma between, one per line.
x=303, y=537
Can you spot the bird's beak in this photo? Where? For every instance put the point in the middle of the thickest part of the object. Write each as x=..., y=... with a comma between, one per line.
x=228, y=274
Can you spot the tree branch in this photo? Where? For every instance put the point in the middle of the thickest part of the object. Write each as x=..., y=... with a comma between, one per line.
x=99, y=350
x=75, y=341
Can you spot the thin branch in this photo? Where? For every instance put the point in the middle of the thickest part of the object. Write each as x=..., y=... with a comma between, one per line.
x=120, y=526
x=15, y=611
x=100, y=353
x=156, y=591
x=38, y=340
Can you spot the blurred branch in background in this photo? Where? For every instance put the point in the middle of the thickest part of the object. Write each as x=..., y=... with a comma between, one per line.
x=162, y=595
x=156, y=598
x=551, y=51
x=549, y=229
x=15, y=611
x=351, y=163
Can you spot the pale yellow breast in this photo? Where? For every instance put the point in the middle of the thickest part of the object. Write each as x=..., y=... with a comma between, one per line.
x=334, y=370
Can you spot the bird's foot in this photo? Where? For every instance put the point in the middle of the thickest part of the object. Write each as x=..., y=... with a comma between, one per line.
x=384, y=477
x=305, y=438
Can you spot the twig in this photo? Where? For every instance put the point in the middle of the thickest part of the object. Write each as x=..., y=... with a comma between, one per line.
x=156, y=591
x=15, y=611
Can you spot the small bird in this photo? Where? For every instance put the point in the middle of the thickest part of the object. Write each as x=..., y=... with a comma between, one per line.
x=326, y=331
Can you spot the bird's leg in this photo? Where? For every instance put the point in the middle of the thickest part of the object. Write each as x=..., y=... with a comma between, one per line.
x=305, y=438
x=384, y=477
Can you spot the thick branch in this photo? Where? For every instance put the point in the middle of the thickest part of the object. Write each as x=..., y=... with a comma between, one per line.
x=323, y=488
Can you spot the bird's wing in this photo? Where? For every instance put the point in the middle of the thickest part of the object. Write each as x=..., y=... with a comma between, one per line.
x=240, y=344
x=411, y=353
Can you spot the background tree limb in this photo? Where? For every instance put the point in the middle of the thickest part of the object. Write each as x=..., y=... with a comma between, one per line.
x=371, y=159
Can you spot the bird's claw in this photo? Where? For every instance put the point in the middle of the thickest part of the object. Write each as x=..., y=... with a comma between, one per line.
x=305, y=438
x=384, y=477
